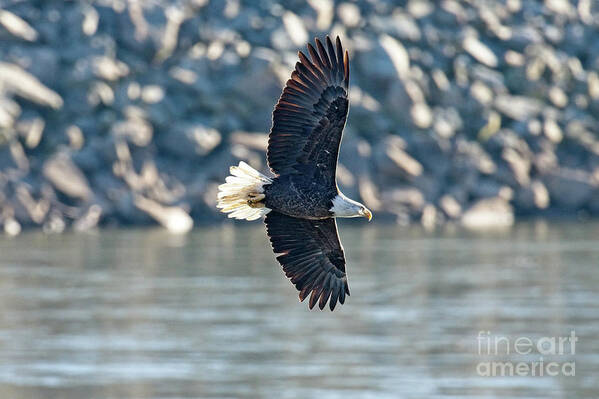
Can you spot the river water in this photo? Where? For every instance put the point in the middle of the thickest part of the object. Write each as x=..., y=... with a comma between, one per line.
x=144, y=314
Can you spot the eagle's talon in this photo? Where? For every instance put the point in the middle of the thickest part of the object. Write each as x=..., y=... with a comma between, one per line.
x=255, y=200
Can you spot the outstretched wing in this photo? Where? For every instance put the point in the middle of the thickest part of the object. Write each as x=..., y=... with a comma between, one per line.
x=308, y=120
x=311, y=256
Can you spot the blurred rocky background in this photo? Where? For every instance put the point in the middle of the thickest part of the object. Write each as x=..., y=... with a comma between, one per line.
x=116, y=112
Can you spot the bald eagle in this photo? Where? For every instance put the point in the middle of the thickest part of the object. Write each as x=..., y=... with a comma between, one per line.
x=302, y=200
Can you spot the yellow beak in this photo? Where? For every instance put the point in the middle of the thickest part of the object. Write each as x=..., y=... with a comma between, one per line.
x=367, y=214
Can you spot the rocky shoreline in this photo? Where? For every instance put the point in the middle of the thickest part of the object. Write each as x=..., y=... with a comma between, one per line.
x=129, y=113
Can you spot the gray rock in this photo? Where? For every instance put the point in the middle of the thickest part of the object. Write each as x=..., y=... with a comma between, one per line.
x=66, y=177
x=255, y=141
x=479, y=51
x=349, y=14
x=395, y=161
x=397, y=54
x=570, y=188
x=451, y=103
x=488, y=213
x=15, y=79
x=191, y=140
x=17, y=26
x=12, y=227
x=532, y=197
x=404, y=196
x=109, y=68
x=519, y=165
x=376, y=63
x=174, y=219
x=450, y=206
x=518, y=107
x=9, y=112
x=135, y=130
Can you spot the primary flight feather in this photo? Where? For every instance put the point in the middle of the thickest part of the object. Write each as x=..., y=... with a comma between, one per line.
x=302, y=200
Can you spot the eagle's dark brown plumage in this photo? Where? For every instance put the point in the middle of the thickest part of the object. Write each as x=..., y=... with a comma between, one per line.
x=302, y=200
x=311, y=255
x=309, y=118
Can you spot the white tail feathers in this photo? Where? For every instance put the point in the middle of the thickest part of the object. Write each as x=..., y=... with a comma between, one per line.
x=242, y=195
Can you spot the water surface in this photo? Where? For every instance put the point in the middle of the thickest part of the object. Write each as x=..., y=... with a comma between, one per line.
x=144, y=314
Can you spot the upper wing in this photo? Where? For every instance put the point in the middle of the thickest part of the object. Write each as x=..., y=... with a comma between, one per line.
x=311, y=256
x=308, y=120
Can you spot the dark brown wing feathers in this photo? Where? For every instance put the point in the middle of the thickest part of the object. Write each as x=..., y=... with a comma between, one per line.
x=312, y=108
x=312, y=257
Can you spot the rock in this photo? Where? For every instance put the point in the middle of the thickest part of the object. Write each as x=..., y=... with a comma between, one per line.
x=488, y=188
x=90, y=21
x=519, y=165
x=173, y=218
x=405, y=27
x=12, y=227
x=325, y=14
x=479, y=51
x=560, y=7
x=259, y=85
x=109, y=68
x=532, y=197
x=369, y=193
x=406, y=196
x=191, y=140
x=552, y=130
x=520, y=108
x=255, y=141
x=400, y=160
x=66, y=177
x=17, y=26
x=488, y=213
x=135, y=129
x=397, y=54
x=19, y=158
x=429, y=216
x=295, y=28
x=36, y=210
x=32, y=130
x=55, y=224
x=152, y=94
x=558, y=97
x=76, y=138
x=345, y=178
x=441, y=80
x=451, y=103
x=593, y=84
x=446, y=122
x=514, y=58
x=9, y=112
x=422, y=116
x=349, y=14
x=569, y=188
x=450, y=206
x=14, y=79
x=399, y=102
x=481, y=92
x=420, y=8
x=89, y=220
x=594, y=203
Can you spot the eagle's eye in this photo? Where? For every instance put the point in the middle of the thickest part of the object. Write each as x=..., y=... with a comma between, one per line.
x=366, y=213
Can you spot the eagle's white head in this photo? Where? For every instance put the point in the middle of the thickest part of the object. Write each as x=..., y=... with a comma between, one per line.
x=347, y=208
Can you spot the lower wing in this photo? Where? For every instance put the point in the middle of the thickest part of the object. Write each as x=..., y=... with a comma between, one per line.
x=311, y=255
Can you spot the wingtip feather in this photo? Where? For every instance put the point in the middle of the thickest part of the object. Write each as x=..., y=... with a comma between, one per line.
x=346, y=69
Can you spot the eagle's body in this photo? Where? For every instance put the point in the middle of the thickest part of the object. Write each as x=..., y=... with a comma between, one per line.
x=299, y=196
x=302, y=200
